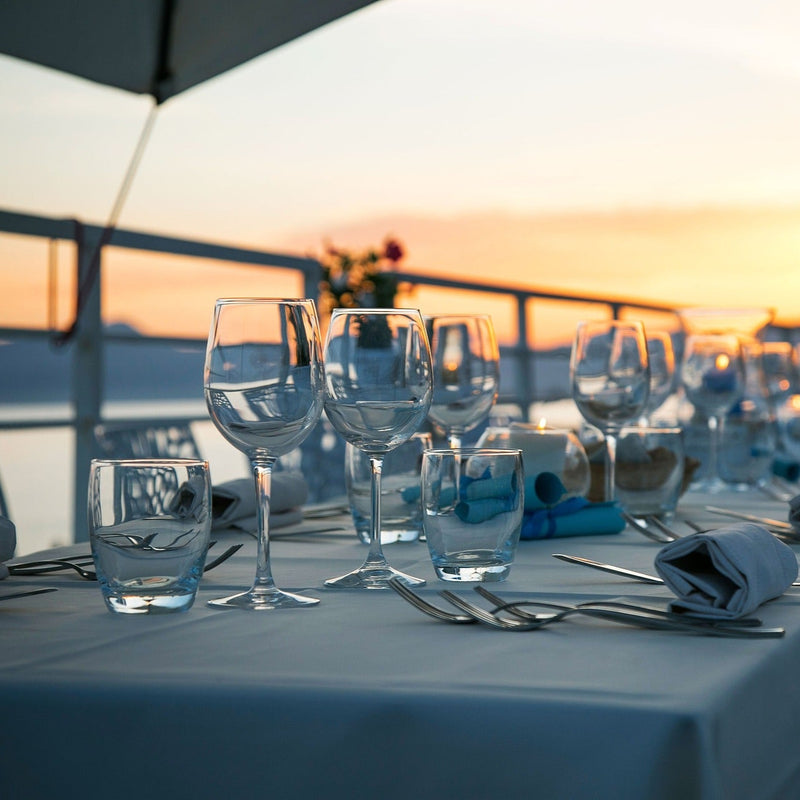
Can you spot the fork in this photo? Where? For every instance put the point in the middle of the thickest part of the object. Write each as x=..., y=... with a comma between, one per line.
x=428, y=608
x=629, y=617
x=514, y=608
x=662, y=535
x=80, y=562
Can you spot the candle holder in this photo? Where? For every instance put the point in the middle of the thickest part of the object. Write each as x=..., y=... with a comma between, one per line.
x=544, y=449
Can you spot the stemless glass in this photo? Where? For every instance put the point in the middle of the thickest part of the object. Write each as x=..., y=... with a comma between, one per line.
x=466, y=372
x=378, y=386
x=712, y=375
x=264, y=391
x=610, y=380
x=662, y=372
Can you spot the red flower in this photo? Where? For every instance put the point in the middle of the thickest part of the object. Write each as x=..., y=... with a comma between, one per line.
x=393, y=250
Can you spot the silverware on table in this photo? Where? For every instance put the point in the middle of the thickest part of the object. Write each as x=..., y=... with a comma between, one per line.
x=615, y=570
x=426, y=607
x=658, y=533
x=79, y=563
x=27, y=592
x=611, y=612
x=282, y=533
x=773, y=523
x=518, y=619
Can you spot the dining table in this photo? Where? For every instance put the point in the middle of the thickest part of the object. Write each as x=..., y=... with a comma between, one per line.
x=363, y=696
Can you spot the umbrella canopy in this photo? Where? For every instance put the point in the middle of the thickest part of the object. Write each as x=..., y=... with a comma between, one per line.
x=156, y=47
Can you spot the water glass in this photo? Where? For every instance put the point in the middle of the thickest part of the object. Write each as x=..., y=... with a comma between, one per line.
x=401, y=509
x=472, y=505
x=149, y=523
x=650, y=466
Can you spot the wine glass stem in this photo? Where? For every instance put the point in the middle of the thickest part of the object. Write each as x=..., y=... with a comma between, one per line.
x=454, y=440
x=375, y=555
x=262, y=472
x=611, y=466
x=713, y=447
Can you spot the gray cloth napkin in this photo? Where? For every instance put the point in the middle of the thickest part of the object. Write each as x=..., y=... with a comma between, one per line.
x=728, y=572
x=8, y=543
x=233, y=503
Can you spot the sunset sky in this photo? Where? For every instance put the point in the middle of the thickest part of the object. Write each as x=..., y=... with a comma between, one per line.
x=648, y=150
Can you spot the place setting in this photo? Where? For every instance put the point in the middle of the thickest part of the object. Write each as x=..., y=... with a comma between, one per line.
x=384, y=378
x=718, y=576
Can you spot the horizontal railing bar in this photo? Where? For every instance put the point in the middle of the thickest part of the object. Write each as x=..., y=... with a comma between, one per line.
x=34, y=225
x=529, y=293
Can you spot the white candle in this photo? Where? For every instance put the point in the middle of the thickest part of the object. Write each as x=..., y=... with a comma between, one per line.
x=543, y=449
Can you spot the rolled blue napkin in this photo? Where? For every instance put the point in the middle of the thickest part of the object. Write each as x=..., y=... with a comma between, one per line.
x=786, y=468
x=481, y=499
x=547, y=516
x=8, y=543
x=728, y=572
x=233, y=503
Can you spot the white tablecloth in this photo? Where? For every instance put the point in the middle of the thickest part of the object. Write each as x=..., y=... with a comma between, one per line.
x=363, y=696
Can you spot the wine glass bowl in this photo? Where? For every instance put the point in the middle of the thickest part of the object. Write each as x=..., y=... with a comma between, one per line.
x=466, y=372
x=264, y=391
x=661, y=356
x=781, y=370
x=610, y=380
x=712, y=375
x=378, y=388
x=741, y=321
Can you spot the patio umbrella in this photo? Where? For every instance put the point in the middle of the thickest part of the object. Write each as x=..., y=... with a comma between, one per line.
x=155, y=47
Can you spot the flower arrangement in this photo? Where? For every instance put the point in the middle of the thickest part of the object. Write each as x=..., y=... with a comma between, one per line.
x=360, y=279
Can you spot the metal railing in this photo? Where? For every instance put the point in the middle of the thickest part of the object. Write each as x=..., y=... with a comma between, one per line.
x=87, y=349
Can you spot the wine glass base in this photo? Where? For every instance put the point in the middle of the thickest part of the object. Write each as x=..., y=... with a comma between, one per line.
x=263, y=600
x=372, y=577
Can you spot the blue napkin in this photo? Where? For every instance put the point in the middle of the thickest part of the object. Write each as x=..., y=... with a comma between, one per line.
x=728, y=572
x=483, y=498
x=786, y=468
x=547, y=516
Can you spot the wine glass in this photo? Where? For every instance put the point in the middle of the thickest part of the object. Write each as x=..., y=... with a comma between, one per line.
x=378, y=386
x=610, y=379
x=466, y=372
x=662, y=371
x=264, y=392
x=712, y=374
x=780, y=363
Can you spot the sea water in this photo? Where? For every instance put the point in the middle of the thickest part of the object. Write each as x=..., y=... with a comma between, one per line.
x=37, y=467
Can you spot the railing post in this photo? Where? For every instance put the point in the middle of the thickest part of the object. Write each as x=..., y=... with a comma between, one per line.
x=87, y=377
x=526, y=382
x=311, y=279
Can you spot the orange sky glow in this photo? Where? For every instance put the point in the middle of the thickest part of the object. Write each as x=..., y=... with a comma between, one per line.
x=597, y=149
x=710, y=257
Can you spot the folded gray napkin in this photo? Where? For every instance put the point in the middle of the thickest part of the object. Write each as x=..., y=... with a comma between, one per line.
x=233, y=503
x=728, y=572
x=8, y=543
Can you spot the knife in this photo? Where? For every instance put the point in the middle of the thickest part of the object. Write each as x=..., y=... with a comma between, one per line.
x=614, y=570
x=773, y=523
x=628, y=573
x=42, y=590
